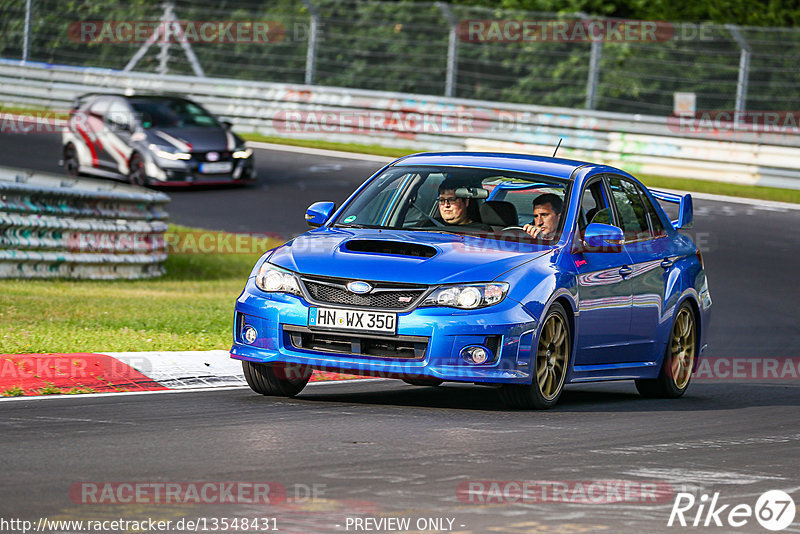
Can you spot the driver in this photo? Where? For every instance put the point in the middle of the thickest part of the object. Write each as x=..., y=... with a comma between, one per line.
x=452, y=209
x=455, y=210
x=546, y=216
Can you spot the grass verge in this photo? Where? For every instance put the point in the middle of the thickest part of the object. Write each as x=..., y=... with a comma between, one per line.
x=190, y=308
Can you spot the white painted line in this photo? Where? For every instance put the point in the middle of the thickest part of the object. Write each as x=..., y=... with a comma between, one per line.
x=320, y=152
x=182, y=390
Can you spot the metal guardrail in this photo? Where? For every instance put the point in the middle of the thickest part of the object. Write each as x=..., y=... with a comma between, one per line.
x=638, y=143
x=52, y=227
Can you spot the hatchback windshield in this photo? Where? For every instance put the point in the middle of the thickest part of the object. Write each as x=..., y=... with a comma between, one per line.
x=171, y=113
x=459, y=200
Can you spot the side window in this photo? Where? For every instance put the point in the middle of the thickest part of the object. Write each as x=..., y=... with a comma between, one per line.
x=593, y=206
x=655, y=221
x=630, y=208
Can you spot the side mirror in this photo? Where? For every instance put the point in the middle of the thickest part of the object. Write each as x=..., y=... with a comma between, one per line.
x=602, y=238
x=319, y=212
x=227, y=124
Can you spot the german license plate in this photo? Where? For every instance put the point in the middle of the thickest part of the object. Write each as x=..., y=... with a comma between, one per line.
x=358, y=320
x=216, y=167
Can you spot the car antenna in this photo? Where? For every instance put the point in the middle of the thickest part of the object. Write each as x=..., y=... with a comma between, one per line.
x=558, y=145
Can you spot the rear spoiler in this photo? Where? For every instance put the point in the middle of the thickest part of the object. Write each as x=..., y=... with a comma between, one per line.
x=685, y=209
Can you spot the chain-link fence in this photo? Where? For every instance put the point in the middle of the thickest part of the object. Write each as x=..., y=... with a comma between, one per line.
x=568, y=60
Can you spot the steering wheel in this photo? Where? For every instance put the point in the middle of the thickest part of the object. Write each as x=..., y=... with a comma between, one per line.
x=431, y=219
x=513, y=228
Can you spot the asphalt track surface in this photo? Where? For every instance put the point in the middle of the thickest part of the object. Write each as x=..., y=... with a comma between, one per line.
x=388, y=450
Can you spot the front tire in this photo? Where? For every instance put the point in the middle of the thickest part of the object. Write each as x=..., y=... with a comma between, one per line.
x=676, y=370
x=431, y=382
x=276, y=379
x=551, y=363
x=72, y=164
x=136, y=173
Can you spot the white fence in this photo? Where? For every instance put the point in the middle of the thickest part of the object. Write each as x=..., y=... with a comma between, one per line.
x=51, y=227
x=711, y=150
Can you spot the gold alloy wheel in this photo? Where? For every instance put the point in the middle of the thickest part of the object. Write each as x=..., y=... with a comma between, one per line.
x=682, y=348
x=551, y=356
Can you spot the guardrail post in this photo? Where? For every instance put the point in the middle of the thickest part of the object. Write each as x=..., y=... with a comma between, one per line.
x=311, y=49
x=26, y=41
x=593, y=77
x=452, y=49
x=744, y=68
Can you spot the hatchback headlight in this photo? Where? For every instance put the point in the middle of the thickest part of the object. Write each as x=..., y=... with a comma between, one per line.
x=468, y=297
x=242, y=153
x=276, y=280
x=169, y=153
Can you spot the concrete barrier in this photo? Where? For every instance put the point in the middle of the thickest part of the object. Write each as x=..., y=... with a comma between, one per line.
x=53, y=227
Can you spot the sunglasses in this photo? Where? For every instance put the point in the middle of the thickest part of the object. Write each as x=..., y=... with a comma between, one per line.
x=446, y=201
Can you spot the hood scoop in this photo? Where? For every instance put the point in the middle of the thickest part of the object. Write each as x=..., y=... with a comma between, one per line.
x=395, y=248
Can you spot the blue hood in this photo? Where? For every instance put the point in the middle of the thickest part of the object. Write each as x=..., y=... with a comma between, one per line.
x=420, y=257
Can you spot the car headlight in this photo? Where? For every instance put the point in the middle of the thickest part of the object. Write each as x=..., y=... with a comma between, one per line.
x=468, y=297
x=276, y=280
x=169, y=153
x=242, y=153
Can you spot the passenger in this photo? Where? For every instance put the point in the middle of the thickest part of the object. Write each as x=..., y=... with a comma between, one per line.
x=546, y=216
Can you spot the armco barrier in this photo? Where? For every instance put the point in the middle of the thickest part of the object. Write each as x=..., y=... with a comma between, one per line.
x=638, y=143
x=56, y=227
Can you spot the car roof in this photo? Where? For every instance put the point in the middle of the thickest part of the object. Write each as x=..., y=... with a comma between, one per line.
x=555, y=167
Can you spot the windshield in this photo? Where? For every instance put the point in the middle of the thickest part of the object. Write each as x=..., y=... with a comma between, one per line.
x=460, y=200
x=171, y=113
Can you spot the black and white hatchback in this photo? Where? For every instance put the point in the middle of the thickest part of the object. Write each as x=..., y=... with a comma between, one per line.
x=153, y=140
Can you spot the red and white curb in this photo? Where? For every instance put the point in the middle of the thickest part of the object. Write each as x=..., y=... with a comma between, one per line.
x=82, y=373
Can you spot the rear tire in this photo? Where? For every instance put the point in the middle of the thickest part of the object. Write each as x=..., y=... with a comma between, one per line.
x=676, y=369
x=431, y=382
x=276, y=379
x=550, y=366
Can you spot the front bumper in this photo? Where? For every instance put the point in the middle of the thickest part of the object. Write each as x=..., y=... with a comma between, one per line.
x=187, y=173
x=438, y=335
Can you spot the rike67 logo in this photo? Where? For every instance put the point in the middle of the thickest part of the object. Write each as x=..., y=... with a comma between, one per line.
x=774, y=510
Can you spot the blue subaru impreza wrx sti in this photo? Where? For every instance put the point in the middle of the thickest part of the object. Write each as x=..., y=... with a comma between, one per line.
x=523, y=272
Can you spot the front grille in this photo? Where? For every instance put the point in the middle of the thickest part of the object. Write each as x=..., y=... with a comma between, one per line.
x=223, y=155
x=398, y=347
x=385, y=296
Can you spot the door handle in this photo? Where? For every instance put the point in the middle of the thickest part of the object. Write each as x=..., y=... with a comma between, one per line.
x=667, y=263
x=625, y=271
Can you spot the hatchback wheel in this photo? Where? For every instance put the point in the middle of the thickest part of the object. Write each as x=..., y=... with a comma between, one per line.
x=676, y=370
x=276, y=379
x=551, y=363
x=71, y=162
x=136, y=173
